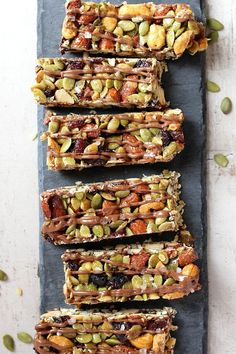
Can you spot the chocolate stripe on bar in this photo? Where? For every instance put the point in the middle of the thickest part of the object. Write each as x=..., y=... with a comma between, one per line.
x=113, y=209
x=77, y=142
x=73, y=332
x=162, y=30
x=99, y=82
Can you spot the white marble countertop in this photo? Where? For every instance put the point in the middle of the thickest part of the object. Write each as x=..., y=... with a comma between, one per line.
x=19, y=180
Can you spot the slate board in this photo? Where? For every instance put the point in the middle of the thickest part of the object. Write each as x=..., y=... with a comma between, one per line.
x=184, y=87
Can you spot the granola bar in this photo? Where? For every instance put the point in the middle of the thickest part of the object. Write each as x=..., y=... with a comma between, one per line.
x=112, y=209
x=79, y=141
x=129, y=332
x=134, y=272
x=161, y=30
x=99, y=82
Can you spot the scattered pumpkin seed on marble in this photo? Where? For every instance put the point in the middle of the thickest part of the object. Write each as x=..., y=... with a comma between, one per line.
x=221, y=160
x=24, y=337
x=214, y=24
x=213, y=37
x=8, y=342
x=212, y=86
x=3, y=275
x=226, y=105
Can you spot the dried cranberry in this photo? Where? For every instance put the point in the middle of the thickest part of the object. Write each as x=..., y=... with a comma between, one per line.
x=61, y=319
x=99, y=279
x=142, y=63
x=166, y=137
x=49, y=93
x=57, y=207
x=154, y=325
x=117, y=280
x=75, y=65
x=121, y=326
x=72, y=265
x=96, y=162
x=76, y=124
x=177, y=135
x=79, y=146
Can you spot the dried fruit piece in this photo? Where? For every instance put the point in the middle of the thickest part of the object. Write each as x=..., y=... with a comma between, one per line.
x=24, y=337
x=61, y=341
x=226, y=105
x=138, y=261
x=138, y=227
x=143, y=342
x=214, y=24
x=8, y=342
x=3, y=275
x=221, y=160
x=19, y=291
x=212, y=86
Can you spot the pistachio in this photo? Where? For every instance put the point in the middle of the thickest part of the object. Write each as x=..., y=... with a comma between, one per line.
x=83, y=278
x=112, y=341
x=84, y=338
x=221, y=160
x=24, y=337
x=212, y=86
x=63, y=97
x=75, y=203
x=65, y=146
x=8, y=342
x=68, y=84
x=126, y=25
x=144, y=28
x=122, y=194
x=84, y=231
x=96, y=202
x=113, y=124
x=163, y=256
x=97, y=85
x=39, y=95
x=145, y=135
x=53, y=127
x=3, y=275
x=213, y=37
x=214, y=24
x=98, y=230
x=137, y=281
x=158, y=279
x=68, y=161
x=226, y=105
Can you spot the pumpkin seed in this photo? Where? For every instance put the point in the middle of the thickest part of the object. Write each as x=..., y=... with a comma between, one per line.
x=144, y=87
x=75, y=203
x=133, y=32
x=158, y=279
x=167, y=22
x=107, y=196
x=97, y=266
x=8, y=342
x=176, y=26
x=109, y=83
x=112, y=341
x=212, y=86
x=213, y=37
x=68, y=84
x=50, y=67
x=126, y=25
x=137, y=281
x=226, y=105
x=221, y=160
x=70, y=211
x=170, y=37
x=39, y=95
x=143, y=40
x=169, y=281
x=153, y=260
x=79, y=86
x=173, y=264
x=79, y=195
x=84, y=338
x=166, y=226
x=163, y=256
x=24, y=337
x=117, y=84
x=98, y=230
x=59, y=83
x=214, y=24
x=117, y=258
x=96, y=338
x=116, y=224
x=84, y=231
x=70, y=229
x=113, y=146
x=97, y=85
x=147, y=279
x=179, y=32
x=118, y=31
x=138, y=298
x=145, y=135
x=144, y=28
x=68, y=161
x=59, y=64
x=113, y=124
x=65, y=146
x=91, y=287
x=53, y=127
x=193, y=26
x=3, y=275
x=122, y=194
x=124, y=122
x=92, y=148
x=96, y=202
x=128, y=231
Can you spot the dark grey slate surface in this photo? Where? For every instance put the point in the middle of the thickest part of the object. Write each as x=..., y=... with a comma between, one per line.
x=184, y=86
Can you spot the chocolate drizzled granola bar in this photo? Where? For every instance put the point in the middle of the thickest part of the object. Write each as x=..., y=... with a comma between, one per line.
x=99, y=82
x=79, y=141
x=129, y=332
x=162, y=30
x=112, y=209
x=133, y=272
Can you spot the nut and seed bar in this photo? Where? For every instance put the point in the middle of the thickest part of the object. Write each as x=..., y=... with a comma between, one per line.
x=99, y=82
x=112, y=209
x=162, y=30
x=79, y=141
x=134, y=272
x=129, y=332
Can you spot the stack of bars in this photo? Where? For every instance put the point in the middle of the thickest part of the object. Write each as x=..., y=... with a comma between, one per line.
x=136, y=39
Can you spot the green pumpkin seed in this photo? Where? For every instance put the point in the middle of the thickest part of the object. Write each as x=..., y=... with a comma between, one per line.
x=59, y=83
x=170, y=37
x=133, y=32
x=49, y=84
x=147, y=279
x=91, y=287
x=128, y=231
x=126, y=25
x=143, y=40
x=163, y=256
x=144, y=28
x=79, y=85
x=221, y=160
x=65, y=146
x=169, y=281
x=107, y=196
x=84, y=338
x=214, y=24
x=226, y=105
x=84, y=231
x=92, y=148
x=68, y=161
x=113, y=124
x=97, y=266
x=50, y=67
x=176, y=26
x=96, y=338
x=117, y=84
x=138, y=298
x=124, y=122
x=109, y=83
x=118, y=31
x=75, y=203
x=117, y=258
x=112, y=341
x=113, y=146
x=70, y=229
x=68, y=84
x=122, y=194
x=3, y=275
x=167, y=22
x=96, y=202
x=144, y=87
x=24, y=337
x=145, y=135
x=70, y=211
x=193, y=26
x=8, y=342
x=79, y=195
x=39, y=95
x=153, y=260
x=74, y=280
x=212, y=86
x=213, y=37
x=173, y=264
x=98, y=230
x=116, y=224
x=53, y=127
x=59, y=64
x=97, y=85
x=179, y=32
x=137, y=282
x=158, y=279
